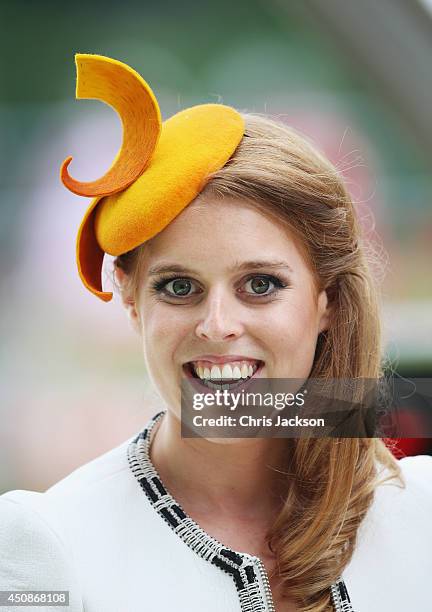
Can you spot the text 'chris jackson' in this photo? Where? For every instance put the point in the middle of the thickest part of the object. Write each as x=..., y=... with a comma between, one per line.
x=249, y=421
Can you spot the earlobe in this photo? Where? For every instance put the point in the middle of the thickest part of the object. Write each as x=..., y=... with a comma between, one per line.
x=132, y=314
x=129, y=304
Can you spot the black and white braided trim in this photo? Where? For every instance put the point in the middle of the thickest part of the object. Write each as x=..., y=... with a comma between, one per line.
x=243, y=568
x=340, y=597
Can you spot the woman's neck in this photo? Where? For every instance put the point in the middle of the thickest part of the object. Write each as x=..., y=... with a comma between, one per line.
x=238, y=478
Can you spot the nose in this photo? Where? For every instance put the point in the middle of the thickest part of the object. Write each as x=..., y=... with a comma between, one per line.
x=218, y=319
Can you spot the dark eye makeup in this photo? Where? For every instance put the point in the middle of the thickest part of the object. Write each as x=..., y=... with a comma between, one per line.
x=178, y=287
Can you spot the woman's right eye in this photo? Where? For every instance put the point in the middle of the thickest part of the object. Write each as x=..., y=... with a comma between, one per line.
x=179, y=287
x=175, y=287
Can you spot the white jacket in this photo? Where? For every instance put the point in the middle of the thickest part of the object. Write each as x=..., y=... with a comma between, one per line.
x=98, y=535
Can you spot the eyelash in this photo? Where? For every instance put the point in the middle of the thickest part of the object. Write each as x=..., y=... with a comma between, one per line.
x=159, y=285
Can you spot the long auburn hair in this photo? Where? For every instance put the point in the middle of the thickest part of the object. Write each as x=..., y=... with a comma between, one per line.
x=332, y=480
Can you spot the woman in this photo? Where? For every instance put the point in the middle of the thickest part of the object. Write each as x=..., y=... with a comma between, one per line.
x=262, y=273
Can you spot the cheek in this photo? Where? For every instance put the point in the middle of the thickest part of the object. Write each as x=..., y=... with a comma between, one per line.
x=162, y=330
x=290, y=335
x=293, y=321
x=303, y=318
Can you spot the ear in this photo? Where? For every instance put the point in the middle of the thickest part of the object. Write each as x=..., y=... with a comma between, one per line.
x=324, y=311
x=127, y=300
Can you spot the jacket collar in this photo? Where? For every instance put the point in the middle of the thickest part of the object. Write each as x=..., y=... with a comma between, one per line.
x=247, y=571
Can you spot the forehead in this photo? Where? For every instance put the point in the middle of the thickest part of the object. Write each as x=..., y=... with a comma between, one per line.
x=220, y=231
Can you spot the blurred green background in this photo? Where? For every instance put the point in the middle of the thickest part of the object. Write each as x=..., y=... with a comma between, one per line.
x=354, y=77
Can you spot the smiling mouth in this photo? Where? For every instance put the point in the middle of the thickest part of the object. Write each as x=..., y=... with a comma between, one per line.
x=223, y=378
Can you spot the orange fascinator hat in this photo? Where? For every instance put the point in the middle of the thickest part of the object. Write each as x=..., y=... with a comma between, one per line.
x=160, y=168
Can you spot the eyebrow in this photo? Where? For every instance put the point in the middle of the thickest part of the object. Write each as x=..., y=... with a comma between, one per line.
x=257, y=264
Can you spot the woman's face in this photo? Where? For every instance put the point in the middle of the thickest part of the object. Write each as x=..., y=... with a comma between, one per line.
x=224, y=287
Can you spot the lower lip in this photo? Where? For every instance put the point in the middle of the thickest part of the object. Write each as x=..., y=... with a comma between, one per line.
x=201, y=388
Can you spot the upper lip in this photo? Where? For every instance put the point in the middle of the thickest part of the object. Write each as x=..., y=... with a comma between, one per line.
x=223, y=358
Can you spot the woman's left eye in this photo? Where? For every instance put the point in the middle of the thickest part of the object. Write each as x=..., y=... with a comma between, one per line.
x=264, y=285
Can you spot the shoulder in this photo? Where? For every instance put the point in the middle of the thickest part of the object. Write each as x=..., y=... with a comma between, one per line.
x=401, y=509
x=86, y=488
x=112, y=465
x=391, y=564
x=40, y=532
x=33, y=556
x=409, y=499
x=418, y=474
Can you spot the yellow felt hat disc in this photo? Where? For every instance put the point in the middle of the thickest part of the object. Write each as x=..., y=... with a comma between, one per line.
x=159, y=169
x=193, y=144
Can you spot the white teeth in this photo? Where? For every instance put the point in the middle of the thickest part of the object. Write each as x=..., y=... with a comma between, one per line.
x=215, y=373
x=244, y=371
x=236, y=373
x=227, y=371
